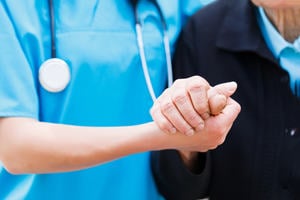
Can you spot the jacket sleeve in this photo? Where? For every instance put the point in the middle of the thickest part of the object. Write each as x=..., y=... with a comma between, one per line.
x=175, y=181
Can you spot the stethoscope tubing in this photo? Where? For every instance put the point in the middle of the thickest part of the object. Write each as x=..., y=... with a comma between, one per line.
x=52, y=28
x=140, y=43
x=166, y=41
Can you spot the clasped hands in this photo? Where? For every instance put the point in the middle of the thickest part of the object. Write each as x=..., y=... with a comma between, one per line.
x=201, y=113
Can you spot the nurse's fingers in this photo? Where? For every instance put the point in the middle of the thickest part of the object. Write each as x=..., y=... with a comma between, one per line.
x=218, y=96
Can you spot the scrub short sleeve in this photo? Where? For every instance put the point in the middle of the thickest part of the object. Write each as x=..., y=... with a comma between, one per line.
x=18, y=96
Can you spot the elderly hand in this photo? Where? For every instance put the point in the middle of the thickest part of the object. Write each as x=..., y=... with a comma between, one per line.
x=186, y=105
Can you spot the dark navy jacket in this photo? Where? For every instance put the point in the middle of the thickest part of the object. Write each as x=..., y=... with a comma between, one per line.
x=260, y=159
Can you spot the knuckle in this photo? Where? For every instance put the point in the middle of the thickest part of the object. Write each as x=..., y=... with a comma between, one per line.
x=195, y=87
x=193, y=118
x=179, y=98
x=178, y=82
x=167, y=107
x=198, y=80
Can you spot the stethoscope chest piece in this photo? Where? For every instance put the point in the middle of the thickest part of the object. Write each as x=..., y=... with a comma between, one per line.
x=54, y=75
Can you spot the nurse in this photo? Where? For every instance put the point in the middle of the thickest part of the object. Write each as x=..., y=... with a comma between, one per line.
x=68, y=69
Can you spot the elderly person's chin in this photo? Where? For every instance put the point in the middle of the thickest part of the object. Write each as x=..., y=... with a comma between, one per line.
x=277, y=3
x=284, y=15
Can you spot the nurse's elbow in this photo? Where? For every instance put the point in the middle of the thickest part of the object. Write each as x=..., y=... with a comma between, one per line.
x=12, y=167
x=10, y=157
x=12, y=145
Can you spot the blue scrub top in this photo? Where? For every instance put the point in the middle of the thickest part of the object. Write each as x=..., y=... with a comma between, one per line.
x=107, y=87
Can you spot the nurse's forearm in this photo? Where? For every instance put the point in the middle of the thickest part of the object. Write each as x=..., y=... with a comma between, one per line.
x=28, y=146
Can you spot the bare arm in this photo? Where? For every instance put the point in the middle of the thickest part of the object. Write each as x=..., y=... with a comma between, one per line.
x=29, y=146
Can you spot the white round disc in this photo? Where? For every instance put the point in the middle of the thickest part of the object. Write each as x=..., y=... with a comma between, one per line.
x=54, y=75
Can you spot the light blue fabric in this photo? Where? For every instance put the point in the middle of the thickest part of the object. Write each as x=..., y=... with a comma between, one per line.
x=107, y=88
x=287, y=53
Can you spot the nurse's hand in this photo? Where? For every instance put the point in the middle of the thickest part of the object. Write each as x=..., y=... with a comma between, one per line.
x=186, y=105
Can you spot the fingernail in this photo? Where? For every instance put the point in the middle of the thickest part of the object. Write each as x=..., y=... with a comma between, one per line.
x=190, y=132
x=200, y=127
x=205, y=115
x=173, y=130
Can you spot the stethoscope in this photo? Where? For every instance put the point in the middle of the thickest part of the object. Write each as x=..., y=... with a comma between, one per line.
x=54, y=73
